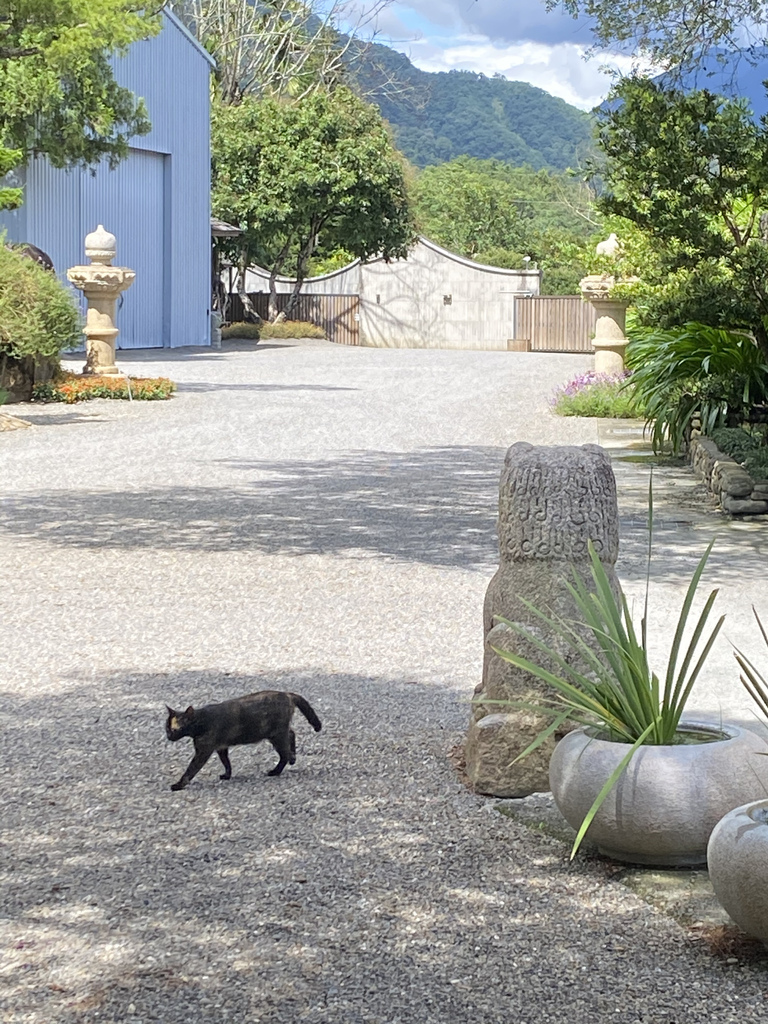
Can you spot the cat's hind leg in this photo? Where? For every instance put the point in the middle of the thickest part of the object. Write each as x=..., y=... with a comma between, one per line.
x=292, y=737
x=197, y=762
x=224, y=758
x=282, y=745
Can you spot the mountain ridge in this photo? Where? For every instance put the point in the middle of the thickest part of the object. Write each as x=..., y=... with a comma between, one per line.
x=437, y=116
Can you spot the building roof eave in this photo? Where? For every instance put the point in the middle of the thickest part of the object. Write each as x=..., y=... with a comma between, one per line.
x=179, y=24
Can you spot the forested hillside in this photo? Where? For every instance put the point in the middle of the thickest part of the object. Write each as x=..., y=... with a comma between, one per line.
x=439, y=116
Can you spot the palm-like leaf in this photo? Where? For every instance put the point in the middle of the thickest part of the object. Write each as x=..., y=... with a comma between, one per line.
x=669, y=367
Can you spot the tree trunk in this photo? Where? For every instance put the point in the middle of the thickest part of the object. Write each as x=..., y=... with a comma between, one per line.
x=273, y=311
x=761, y=337
x=305, y=254
x=249, y=313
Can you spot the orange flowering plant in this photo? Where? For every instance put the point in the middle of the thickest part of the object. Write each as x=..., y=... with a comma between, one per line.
x=75, y=387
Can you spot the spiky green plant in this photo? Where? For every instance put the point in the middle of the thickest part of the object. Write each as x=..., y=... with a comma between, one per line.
x=753, y=681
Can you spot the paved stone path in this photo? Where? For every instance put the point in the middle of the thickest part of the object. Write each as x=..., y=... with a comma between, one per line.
x=319, y=519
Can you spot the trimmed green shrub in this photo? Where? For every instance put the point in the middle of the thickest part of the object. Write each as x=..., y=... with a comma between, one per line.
x=735, y=442
x=251, y=332
x=291, y=329
x=282, y=329
x=38, y=315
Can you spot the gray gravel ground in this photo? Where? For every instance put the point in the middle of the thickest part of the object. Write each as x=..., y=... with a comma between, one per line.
x=321, y=519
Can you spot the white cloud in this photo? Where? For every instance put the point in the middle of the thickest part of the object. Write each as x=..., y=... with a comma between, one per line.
x=559, y=69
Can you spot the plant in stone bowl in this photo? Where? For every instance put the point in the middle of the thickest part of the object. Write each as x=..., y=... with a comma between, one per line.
x=649, y=785
x=737, y=853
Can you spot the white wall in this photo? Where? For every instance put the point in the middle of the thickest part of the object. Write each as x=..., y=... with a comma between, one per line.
x=402, y=303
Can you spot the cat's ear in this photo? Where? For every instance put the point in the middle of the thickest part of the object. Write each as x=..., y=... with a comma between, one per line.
x=169, y=709
x=189, y=710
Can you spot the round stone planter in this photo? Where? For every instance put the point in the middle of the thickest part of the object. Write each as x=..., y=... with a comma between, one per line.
x=737, y=858
x=665, y=805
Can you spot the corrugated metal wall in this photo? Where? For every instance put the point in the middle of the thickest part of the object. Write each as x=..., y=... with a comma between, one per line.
x=157, y=202
x=130, y=201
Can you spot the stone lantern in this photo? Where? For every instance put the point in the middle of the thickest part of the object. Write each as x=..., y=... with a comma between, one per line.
x=610, y=341
x=101, y=283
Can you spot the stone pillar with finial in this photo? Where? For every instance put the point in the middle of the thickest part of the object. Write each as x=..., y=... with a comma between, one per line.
x=610, y=341
x=101, y=283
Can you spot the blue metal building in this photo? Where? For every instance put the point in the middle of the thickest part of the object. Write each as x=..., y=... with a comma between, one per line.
x=156, y=202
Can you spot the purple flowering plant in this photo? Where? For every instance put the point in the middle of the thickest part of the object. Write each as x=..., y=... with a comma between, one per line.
x=597, y=394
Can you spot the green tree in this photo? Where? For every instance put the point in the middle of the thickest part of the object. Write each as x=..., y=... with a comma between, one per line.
x=690, y=170
x=58, y=95
x=497, y=214
x=464, y=207
x=298, y=175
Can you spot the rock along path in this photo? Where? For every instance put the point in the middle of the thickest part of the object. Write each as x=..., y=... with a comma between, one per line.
x=319, y=519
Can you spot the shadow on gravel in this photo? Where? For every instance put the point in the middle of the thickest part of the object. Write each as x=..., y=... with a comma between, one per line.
x=435, y=505
x=50, y=419
x=363, y=885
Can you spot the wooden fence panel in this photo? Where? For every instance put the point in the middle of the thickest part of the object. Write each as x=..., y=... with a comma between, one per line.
x=556, y=323
x=338, y=315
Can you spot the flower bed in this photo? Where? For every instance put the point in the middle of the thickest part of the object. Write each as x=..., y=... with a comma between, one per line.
x=75, y=387
x=597, y=394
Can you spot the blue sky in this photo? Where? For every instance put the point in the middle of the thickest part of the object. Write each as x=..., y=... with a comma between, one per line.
x=517, y=38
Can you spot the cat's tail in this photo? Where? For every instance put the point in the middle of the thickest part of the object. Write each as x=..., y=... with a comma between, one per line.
x=306, y=709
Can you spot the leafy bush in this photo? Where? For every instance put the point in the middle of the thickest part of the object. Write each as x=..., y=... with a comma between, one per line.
x=38, y=316
x=694, y=369
x=291, y=329
x=757, y=464
x=597, y=394
x=283, y=329
x=242, y=330
x=735, y=442
x=73, y=387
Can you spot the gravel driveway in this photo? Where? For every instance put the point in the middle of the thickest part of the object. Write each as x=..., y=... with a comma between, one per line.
x=320, y=519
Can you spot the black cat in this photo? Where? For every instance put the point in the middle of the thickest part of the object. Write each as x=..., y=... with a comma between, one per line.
x=250, y=719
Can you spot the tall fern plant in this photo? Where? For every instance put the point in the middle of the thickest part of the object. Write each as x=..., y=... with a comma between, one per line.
x=693, y=370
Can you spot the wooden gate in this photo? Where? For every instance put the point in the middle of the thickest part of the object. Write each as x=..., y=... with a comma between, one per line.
x=556, y=323
x=338, y=315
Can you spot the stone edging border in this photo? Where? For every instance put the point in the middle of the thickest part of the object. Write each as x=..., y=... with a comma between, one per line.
x=726, y=480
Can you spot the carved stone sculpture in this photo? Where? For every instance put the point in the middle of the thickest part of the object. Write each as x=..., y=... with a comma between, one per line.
x=101, y=283
x=552, y=502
